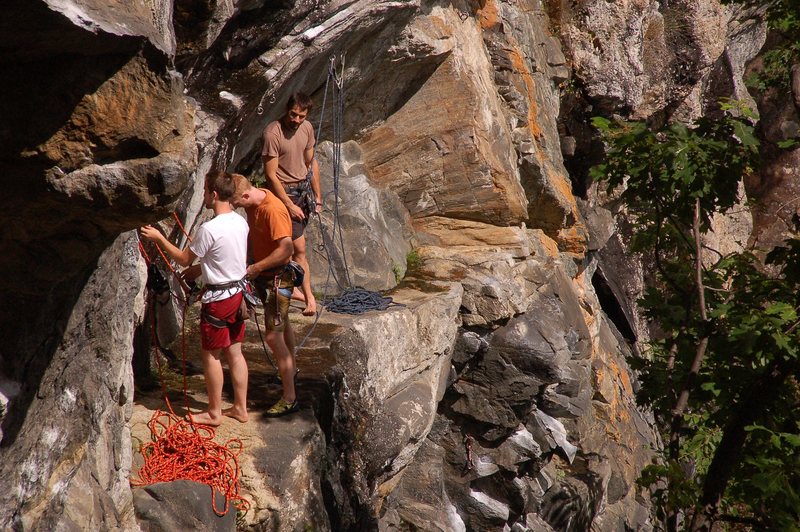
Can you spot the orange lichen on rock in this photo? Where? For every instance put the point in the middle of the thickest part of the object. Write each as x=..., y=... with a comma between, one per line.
x=543, y=242
x=573, y=239
x=562, y=184
x=518, y=62
x=558, y=181
x=487, y=14
x=612, y=382
x=623, y=378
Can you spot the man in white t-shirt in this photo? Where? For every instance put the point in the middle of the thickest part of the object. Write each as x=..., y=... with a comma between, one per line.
x=221, y=246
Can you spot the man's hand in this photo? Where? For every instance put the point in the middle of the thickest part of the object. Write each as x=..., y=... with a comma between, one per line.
x=191, y=273
x=295, y=212
x=318, y=208
x=184, y=257
x=252, y=272
x=152, y=234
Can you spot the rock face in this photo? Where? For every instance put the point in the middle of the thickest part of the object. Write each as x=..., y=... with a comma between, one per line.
x=526, y=409
x=498, y=397
x=97, y=139
x=174, y=505
x=291, y=464
x=391, y=374
x=69, y=463
x=775, y=218
x=364, y=233
x=423, y=144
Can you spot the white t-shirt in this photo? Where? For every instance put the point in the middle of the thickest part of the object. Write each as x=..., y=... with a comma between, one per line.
x=221, y=246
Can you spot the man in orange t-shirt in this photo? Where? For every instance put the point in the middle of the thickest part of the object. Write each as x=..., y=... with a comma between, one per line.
x=270, y=247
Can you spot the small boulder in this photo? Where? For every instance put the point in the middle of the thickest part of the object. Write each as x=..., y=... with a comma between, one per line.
x=181, y=505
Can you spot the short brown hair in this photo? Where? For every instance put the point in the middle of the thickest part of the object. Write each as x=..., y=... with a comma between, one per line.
x=241, y=184
x=222, y=183
x=301, y=100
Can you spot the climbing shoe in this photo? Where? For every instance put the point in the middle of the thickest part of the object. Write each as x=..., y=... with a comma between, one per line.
x=282, y=407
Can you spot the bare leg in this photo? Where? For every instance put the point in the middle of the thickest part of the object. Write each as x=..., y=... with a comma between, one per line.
x=300, y=257
x=239, y=373
x=289, y=338
x=297, y=295
x=285, y=361
x=212, y=370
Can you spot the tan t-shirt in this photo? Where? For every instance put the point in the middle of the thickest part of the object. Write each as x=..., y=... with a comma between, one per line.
x=288, y=147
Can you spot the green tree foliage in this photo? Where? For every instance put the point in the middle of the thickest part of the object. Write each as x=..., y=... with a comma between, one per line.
x=783, y=19
x=721, y=376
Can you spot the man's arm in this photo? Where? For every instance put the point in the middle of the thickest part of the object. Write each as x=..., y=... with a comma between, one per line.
x=279, y=257
x=274, y=184
x=191, y=273
x=184, y=257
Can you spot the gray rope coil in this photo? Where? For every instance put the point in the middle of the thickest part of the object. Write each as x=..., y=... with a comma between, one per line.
x=358, y=301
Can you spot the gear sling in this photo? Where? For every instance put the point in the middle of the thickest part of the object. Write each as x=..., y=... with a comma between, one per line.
x=291, y=271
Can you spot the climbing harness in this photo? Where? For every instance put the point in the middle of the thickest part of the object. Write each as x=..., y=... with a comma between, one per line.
x=280, y=280
x=296, y=272
x=291, y=271
x=302, y=194
x=244, y=312
x=250, y=301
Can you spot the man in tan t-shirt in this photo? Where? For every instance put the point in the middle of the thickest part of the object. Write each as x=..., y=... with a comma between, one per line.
x=288, y=156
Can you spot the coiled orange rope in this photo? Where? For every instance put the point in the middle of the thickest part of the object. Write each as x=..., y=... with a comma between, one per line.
x=181, y=450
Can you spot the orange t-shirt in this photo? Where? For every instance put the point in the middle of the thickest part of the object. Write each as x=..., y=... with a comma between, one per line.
x=269, y=222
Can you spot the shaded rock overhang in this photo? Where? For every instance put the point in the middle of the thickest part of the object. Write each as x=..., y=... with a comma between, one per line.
x=82, y=158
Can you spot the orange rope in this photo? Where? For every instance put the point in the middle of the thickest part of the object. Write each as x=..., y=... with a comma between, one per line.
x=178, y=220
x=182, y=450
x=144, y=253
x=166, y=259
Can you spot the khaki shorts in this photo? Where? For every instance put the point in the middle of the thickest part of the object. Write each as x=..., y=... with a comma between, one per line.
x=276, y=303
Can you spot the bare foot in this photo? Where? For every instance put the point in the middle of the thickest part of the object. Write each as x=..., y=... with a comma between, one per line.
x=204, y=418
x=235, y=414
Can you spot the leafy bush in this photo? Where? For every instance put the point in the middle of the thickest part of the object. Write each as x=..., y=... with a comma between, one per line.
x=720, y=376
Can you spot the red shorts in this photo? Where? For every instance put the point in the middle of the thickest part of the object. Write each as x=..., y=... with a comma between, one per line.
x=212, y=337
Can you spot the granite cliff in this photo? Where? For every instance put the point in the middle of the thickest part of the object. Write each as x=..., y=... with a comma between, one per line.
x=499, y=396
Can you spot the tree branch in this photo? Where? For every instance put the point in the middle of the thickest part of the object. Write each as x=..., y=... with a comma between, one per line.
x=700, y=351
